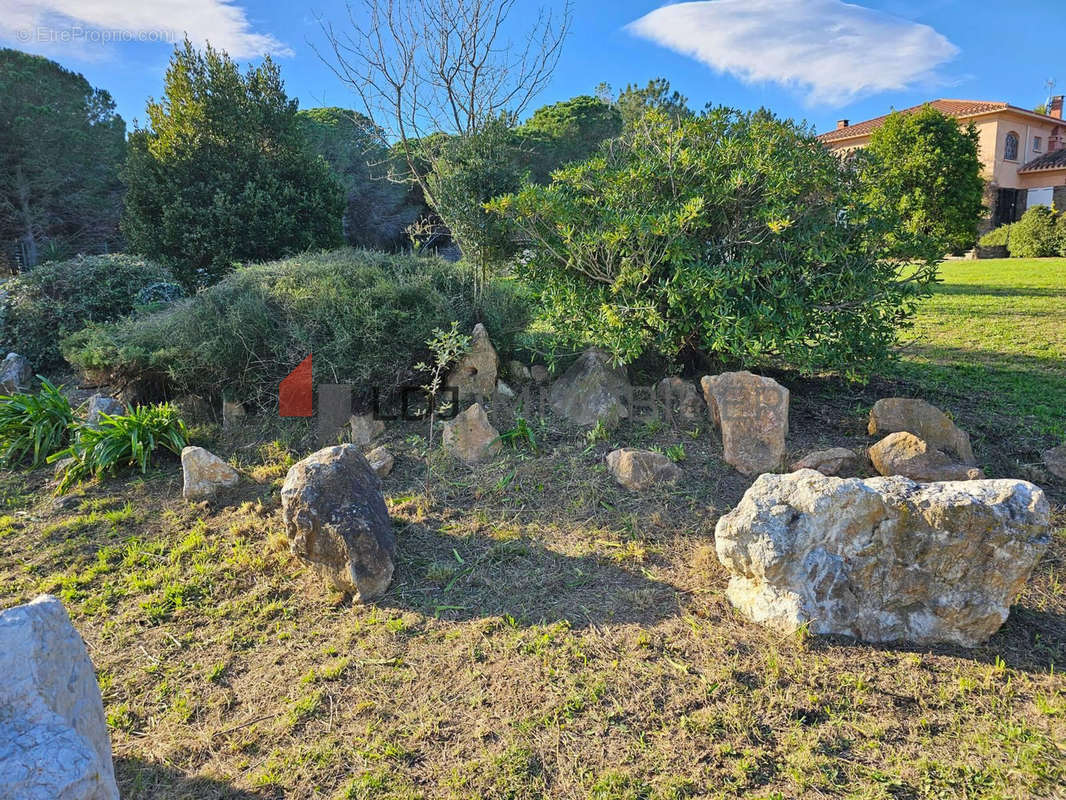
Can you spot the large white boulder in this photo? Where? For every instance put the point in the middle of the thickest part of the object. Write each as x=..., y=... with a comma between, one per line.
x=882, y=559
x=54, y=743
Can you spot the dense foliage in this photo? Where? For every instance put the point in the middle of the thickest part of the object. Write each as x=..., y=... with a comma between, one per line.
x=364, y=316
x=38, y=308
x=61, y=147
x=124, y=440
x=726, y=236
x=565, y=132
x=923, y=171
x=634, y=101
x=223, y=174
x=379, y=209
x=1040, y=233
x=33, y=426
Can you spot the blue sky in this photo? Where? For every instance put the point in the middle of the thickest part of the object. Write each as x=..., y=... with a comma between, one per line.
x=818, y=60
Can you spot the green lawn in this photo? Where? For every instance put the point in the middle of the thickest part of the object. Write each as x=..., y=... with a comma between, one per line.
x=993, y=337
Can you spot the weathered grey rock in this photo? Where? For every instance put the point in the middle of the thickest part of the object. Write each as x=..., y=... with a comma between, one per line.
x=539, y=373
x=682, y=400
x=233, y=414
x=752, y=413
x=204, y=474
x=637, y=470
x=15, y=374
x=365, y=429
x=894, y=414
x=102, y=404
x=475, y=373
x=882, y=559
x=591, y=390
x=505, y=391
x=470, y=437
x=381, y=461
x=54, y=743
x=1055, y=461
x=905, y=454
x=519, y=372
x=336, y=519
x=838, y=461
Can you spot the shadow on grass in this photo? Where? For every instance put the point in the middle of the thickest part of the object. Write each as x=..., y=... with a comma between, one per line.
x=465, y=577
x=145, y=780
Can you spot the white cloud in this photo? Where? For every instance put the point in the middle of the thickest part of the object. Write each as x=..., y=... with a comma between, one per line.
x=44, y=24
x=833, y=51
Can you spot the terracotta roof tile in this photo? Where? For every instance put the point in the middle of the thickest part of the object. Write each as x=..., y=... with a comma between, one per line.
x=1053, y=160
x=953, y=108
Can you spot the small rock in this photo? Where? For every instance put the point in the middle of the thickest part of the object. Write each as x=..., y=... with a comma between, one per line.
x=15, y=374
x=894, y=414
x=381, y=461
x=539, y=373
x=232, y=414
x=470, y=437
x=475, y=373
x=365, y=429
x=205, y=474
x=637, y=470
x=519, y=372
x=905, y=454
x=504, y=391
x=592, y=391
x=54, y=743
x=102, y=404
x=336, y=519
x=752, y=413
x=883, y=559
x=838, y=461
x=682, y=399
x=1055, y=461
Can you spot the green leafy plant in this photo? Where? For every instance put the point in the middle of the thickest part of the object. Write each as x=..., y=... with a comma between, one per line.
x=447, y=346
x=598, y=433
x=33, y=426
x=126, y=440
x=520, y=435
x=676, y=452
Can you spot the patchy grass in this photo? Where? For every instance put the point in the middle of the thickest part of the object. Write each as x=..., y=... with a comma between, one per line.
x=994, y=336
x=547, y=635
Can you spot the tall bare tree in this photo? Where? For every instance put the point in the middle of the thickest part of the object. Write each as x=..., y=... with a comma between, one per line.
x=424, y=67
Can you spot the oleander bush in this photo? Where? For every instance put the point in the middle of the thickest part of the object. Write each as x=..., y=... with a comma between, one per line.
x=40, y=307
x=1040, y=233
x=365, y=316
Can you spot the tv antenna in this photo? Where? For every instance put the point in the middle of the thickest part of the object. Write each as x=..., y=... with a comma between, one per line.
x=1050, y=84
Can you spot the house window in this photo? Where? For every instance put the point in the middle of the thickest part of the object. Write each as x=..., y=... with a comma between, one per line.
x=1037, y=144
x=1010, y=149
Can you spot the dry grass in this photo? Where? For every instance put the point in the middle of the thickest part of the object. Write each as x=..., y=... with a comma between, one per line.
x=547, y=635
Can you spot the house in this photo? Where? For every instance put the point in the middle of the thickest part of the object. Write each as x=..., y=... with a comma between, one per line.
x=1023, y=153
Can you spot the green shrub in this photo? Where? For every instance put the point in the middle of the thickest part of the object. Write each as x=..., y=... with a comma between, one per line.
x=1038, y=234
x=996, y=237
x=33, y=426
x=730, y=237
x=42, y=306
x=365, y=316
x=127, y=440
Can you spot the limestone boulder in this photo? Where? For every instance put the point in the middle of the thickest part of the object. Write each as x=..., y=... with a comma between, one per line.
x=470, y=437
x=838, y=461
x=752, y=413
x=519, y=372
x=905, y=454
x=335, y=519
x=54, y=743
x=474, y=375
x=883, y=559
x=204, y=474
x=381, y=461
x=681, y=400
x=1055, y=461
x=539, y=373
x=637, y=470
x=102, y=404
x=365, y=429
x=592, y=390
x=15, y=374
x=894, y=414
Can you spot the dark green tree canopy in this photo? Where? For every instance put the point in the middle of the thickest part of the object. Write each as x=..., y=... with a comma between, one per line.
x=222, y=173
x=61, y=148
x=726, y=236
x=922, y=170
x=568, y=131
x=633, y=101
